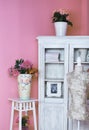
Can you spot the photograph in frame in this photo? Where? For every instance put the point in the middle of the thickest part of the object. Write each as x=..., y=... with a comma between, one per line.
x=53, y=89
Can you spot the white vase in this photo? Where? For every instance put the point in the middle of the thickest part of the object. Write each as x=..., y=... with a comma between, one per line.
x=24, y=86
x=82, y=54
x=60, y=28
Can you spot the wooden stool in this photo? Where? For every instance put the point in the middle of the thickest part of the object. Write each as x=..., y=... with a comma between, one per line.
x=22, y=106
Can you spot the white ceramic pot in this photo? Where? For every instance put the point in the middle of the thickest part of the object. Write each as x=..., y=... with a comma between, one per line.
x=82, y=53
x=24, y=86
x=60, y=28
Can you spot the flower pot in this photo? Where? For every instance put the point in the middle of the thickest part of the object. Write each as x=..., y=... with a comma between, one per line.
x=25, y=128
x=60, y=28
x=24, y=86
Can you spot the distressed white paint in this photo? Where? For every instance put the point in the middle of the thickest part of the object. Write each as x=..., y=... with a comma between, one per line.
x=53, y=111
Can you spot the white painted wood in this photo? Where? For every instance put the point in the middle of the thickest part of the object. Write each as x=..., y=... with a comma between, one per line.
x=34, y=116
x=80, y=44
x=22, y=106
x=12, y=116
x=78, y=125
x=20, y=116
x=52, y=111
x=53, y=119
x=51, y=108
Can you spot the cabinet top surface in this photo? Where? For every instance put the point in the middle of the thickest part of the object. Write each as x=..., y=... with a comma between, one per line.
x=63, y=37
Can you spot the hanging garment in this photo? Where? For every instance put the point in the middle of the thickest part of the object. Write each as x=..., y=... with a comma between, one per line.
x=78, y=86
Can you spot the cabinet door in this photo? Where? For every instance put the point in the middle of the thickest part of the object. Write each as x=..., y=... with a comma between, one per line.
x=81, y=48
x=53, y=67
x=54, y=117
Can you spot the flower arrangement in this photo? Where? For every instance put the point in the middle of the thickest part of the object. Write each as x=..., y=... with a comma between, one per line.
x=61, y=16
x=22, y=67
x=25, y=121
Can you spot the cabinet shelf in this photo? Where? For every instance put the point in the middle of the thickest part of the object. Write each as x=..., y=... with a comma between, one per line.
x=54, y=100
x=82, y=62
x=54, y=62
x=56, y=80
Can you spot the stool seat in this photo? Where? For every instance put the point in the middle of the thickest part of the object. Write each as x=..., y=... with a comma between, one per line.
x=22, y=106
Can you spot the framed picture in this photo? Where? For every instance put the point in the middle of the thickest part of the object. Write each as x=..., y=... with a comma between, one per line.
x=53, y=89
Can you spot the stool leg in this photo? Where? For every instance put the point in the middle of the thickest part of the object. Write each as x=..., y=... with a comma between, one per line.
x=70, y=124
x=78, y=125
x=20, y=117
x=34, y=116
x=12, y=116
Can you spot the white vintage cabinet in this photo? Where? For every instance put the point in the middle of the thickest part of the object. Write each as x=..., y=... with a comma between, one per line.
x=57, y=56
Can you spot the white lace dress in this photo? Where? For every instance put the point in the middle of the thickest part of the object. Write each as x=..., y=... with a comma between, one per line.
x=78, y=86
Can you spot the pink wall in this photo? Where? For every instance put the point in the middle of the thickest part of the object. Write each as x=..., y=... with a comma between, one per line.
x=21, y=21
x=84, y=17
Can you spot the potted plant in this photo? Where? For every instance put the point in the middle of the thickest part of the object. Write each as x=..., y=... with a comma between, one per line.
x=25, y=122
x=59, y=18
x=22, y=67
x=24, y=71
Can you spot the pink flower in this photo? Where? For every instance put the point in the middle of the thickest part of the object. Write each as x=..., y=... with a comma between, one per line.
x=26, y=64
x=28, y=122
x=21, y=67
x=25, y=120
x=17, y=120
x=68, y=17
x=13, y=72
x=63, y=11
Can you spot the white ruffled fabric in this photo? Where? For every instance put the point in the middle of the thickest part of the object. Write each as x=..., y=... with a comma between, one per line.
x=78, y=86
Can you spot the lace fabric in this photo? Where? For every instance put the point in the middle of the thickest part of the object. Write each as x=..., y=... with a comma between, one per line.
x=78, y=86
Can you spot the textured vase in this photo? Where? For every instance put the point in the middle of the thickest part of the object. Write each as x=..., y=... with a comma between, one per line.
x=24, y=86
x=60, y=28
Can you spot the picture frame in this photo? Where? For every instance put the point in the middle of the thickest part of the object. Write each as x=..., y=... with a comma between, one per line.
x=54, y=89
